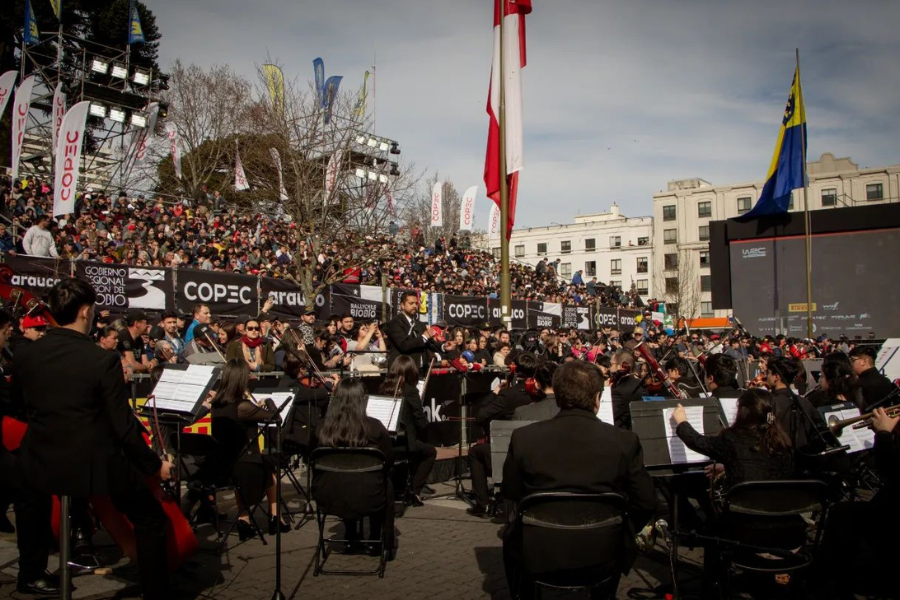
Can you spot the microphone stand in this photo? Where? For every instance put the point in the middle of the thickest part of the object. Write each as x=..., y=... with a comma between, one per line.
x=277, y=594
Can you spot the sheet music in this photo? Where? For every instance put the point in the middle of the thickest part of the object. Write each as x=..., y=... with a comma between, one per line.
x=180, y=390
x=420, y=385
x=730, y=406
x=386, y=410
x=605, y=413
x=678, y=452
x=857, y=439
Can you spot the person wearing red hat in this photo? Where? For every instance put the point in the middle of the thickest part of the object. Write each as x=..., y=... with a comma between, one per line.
x=34, y=328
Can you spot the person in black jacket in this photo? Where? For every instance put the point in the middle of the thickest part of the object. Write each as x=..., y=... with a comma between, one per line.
x=347, y=426
x=407, y=336
x=795, y=414
x=875, y=386
x=401, y=381
x=627, y=387
x=83, y=439
x=588, y=456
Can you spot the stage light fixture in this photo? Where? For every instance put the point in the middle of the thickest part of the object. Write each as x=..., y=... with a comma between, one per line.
x=383, y=146
x=163, y=110
x=373, y=175
x=138, y=120
x=98, y=110
x=119, y=71
x=382, y=178
x=141, y=77
x=372, y=142
x=395, y=148
x=361, y=173
x=117, y=115
x=99, y=66
x=360, y=139
x=395, y=171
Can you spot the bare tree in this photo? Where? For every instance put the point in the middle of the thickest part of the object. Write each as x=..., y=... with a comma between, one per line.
x=679, y=285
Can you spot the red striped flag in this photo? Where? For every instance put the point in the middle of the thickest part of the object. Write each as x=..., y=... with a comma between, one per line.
x=513, y=62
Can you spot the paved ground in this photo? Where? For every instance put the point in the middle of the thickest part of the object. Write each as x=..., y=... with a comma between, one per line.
x=443, y=554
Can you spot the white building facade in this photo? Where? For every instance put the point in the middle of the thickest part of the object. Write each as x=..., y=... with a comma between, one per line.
x=615, y=249
x=682, y=215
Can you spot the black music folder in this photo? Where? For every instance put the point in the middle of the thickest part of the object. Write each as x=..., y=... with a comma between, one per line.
x=652, y=423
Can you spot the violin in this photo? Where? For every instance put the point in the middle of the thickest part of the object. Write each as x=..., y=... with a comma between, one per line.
x=19, y=301
x=623, y=372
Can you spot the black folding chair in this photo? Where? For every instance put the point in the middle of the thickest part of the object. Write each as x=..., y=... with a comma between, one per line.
x=571, y=541
x=350, y=471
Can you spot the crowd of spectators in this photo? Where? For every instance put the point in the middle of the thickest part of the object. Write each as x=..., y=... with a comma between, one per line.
x=207, y=234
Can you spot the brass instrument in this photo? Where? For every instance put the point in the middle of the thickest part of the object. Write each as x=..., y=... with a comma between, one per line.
x=836, y=426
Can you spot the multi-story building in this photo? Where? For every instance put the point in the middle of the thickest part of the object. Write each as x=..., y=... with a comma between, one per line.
x=615, y=249
x=682, y=215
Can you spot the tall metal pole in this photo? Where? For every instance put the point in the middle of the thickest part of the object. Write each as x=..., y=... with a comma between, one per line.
x=806, y=223
x=505, y=292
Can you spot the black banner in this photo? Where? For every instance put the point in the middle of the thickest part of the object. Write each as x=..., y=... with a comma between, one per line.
x=518, y=308
x=606, y=317
x=358, y=301
x=225, y=293
x=627, y=319
x=37, y=275
x=464, y=311
x=122, y=287
x=394, y=298
x=288, y=298
x=543, y=314
x=576, y=317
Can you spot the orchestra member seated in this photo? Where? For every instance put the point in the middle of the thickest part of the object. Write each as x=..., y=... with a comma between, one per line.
x=680, y=373
x=837, y=383
x=401, y=381
x=319, y=352
x=874, y=385
x=588, y=456
x=627, y=387
x=346, y=425
x=795, y=414
x=253, y=349
x=543, y=408
x=720, y=373
x=252, y=472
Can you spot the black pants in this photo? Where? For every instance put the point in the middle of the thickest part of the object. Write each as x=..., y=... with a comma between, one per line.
x=34, y=533
x=480, y=469
x=149, y=521
x=421, y=459
x=377, y=522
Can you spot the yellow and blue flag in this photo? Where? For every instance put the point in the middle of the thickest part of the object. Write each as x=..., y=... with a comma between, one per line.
x=788, y=169
x=360, y=110
x=57, y=9
x=31, y=33
x=135, y=31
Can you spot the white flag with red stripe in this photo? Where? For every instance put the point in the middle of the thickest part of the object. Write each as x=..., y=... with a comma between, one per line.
x=144, y=136
x=68, y=159
x=21, y=108
x=437, y=205
x=59, y=111
x=332, y=171
x=240, y=178
x=7, y=81
x=172, y=132
x=276, y=157
x=467, y=210
x=494, y=222
x=392, y=206
x=513, y=62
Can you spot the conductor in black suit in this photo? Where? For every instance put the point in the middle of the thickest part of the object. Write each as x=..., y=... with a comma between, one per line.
x=408, y=336
x=83, y=439
x=574, y=452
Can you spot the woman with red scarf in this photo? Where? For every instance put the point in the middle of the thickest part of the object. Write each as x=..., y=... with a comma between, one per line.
x=252, y=349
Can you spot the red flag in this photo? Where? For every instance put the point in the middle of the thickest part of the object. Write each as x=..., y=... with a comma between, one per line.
x=513, y=62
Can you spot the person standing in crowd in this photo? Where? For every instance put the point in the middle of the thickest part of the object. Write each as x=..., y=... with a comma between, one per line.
x=131, y=343
x=169, y=324
x=253, y=349
x=202, y=316
x=108, y=338
x=307, y=325
x=875, y=386
x=82, y=438
x=7, y=243
x=38, y=241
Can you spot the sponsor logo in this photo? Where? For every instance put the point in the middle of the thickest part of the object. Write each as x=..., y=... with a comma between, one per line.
x=364, y=311
x=467, y=311
x=218, y=292
x=288, y=298
x=797, y=307
x=830, y=306
x=759, y=252
x=606, y=319
x=515, y=313
x=31, y=281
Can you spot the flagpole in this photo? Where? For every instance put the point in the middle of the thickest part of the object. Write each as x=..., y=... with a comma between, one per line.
x=799, y=103
x=505, y=292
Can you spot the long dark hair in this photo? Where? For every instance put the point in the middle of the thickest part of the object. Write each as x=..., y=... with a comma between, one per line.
x=233, y=383
x=840, y=378
x=345, y=423
x=402, y=372
x=756, y=413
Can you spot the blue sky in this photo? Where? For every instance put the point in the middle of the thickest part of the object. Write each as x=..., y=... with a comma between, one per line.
x=620, y=97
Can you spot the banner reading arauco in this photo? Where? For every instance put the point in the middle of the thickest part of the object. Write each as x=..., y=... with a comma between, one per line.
x=124, y=287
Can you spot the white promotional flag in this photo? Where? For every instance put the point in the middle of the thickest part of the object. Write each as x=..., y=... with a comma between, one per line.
x=437, y=205
x=59, y=111
x=20, y=121
x=277, y=158
x=143, y=137
x=467, y=209
x=392, y=206
x=494, y=222
x=240, y=178
x=172, y=132
x=7, y=81
x=68, y=159
x=332, y=171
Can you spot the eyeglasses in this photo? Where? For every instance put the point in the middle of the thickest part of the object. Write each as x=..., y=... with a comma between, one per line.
x=251, y=328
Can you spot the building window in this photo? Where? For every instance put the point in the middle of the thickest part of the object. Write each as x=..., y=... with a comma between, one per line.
x=565, y=270
x=614, y=283
x=671, y=285
x=565, y=247
x=670, y=261
x=643, y=241
x=705, y=283
x=670, y=236
x=643, y=264
x=874, y=191
x=542, y=249
x=615, y=241
x=520, y=251
x=615, y=266
x=706, y=309
x=704, y=233
x=496, y=252
x=590, y=268
x=829, y=197
x=744, y=204
x=669, y=213
x=590, y=244
x=704, y=258
x=642, y=287
x=704, y=209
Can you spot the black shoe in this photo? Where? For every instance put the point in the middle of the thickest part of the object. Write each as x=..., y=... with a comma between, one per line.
x=45, y=586
x=245, y=530
x=427, y=489
x=415, y=501
x=6, y=525
x=275, y=522
x=478, y=511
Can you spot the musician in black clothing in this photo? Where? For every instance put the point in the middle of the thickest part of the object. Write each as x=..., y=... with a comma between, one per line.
x=720, y=373
x=7, y=409
x=407, y=336
x=501, y=405
x=875, y=386
x=401, y=381
x=627, y=387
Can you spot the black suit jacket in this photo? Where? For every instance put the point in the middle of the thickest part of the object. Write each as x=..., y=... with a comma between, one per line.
x=629, y=389
x=874, y=386
x=412, y=413
x=82, y=439
x=403, y=338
